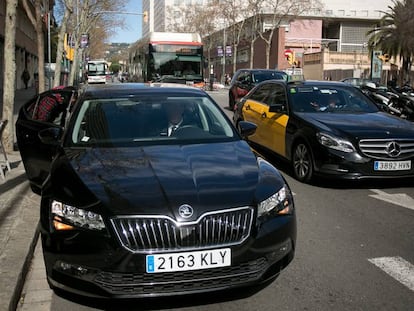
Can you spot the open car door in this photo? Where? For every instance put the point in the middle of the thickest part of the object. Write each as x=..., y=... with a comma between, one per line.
x=46, y=110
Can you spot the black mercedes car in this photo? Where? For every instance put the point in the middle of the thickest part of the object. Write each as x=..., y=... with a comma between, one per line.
x=134, y=206
x=329, y=129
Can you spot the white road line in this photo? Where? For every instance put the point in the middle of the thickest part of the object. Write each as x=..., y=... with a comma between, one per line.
x=401, y=199
x=398, y=268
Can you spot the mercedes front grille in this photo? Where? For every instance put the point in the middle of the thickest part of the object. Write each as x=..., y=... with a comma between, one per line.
x=388, y=149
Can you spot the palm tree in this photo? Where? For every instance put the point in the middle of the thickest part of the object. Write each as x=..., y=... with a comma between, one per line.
x=393, y=35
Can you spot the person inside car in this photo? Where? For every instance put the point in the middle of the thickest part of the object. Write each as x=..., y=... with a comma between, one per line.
x=175, y=114
x=331, y=104
x=177, y=117
x=188, y=70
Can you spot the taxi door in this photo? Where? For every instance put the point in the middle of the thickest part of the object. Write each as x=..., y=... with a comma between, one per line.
x=267, y=108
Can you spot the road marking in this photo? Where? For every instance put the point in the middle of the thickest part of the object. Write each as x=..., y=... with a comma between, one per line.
x=398, y=268
x=401, y=199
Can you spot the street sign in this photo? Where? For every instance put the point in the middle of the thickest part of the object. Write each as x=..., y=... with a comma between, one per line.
x=376, y=65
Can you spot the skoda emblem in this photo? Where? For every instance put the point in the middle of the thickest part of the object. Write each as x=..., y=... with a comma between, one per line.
x=185, y=211
x=393, y=149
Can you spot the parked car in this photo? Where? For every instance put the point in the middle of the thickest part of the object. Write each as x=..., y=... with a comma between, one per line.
x=245, y=79
x=131, y=209
x=328, y=129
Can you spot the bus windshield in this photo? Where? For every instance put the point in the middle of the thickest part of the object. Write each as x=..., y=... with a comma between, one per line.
x=168, y=57
x=97, y=71
x=166, y=66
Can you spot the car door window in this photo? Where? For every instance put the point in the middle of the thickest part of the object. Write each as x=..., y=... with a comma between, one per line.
x=261, y=93
x=242, y=77
x=277, y=95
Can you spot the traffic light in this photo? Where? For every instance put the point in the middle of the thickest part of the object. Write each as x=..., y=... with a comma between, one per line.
x=290, y=58
x=384, y=57
x=145, y=16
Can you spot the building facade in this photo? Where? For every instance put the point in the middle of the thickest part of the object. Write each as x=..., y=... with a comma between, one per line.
x=26, y=46
x=160, y=10
x=327, y=43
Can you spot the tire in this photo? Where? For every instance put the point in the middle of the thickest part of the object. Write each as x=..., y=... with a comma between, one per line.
x=302, y=163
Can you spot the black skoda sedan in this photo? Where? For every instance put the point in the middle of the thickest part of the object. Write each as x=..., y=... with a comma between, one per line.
x=148, y=190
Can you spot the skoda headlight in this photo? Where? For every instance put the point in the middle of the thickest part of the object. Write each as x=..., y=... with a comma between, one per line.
x=66, y=217
x=280, y=203
x=335, y=142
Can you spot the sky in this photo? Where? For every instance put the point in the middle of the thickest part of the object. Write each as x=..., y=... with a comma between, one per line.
x=133, y=24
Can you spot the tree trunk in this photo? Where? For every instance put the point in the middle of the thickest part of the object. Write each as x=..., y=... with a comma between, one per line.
x=405, y=72
x=268, y=45
x=234, y=58
x=59, y=52
x=40, y=46
x=9, y=73
x=251, y=53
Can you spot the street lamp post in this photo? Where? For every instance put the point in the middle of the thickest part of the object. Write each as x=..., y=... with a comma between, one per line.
x=49, y=51
x=224, y=55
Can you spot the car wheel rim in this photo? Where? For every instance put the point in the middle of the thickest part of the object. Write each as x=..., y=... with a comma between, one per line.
x=301, y=162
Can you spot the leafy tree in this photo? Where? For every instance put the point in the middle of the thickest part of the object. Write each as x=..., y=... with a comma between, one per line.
x=115, y=67
x=275, y=13
x=393, y=35
x=96, y=18
x=68, y=4
x=195, y=18
x=254, y=27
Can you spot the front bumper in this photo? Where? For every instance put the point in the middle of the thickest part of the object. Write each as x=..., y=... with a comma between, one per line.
x=353, y=166
x=96, y=266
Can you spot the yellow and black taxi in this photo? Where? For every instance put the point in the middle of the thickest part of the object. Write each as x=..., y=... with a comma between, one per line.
x=139, y=195
x=328, y=129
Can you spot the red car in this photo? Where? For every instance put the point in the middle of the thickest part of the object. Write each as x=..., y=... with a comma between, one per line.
x=245, y=79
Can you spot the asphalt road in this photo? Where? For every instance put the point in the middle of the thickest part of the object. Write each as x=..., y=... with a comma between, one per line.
x=355, y=251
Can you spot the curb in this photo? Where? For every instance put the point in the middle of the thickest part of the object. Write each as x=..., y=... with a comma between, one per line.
x=14, y=301
x=19, y=232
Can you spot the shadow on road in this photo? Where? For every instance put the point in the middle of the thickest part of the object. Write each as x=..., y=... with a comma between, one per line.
x=164, y=303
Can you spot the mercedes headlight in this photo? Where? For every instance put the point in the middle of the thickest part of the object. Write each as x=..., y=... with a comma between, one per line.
x=66, y=217
x=335, y=142
x=280, y=203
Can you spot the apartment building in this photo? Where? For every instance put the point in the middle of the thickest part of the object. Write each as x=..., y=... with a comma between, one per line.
x=161, y=10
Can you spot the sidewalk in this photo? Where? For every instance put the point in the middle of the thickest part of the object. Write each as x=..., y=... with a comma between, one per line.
x=19, y=217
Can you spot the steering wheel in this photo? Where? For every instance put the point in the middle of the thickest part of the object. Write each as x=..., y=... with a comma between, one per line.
x=185, y=130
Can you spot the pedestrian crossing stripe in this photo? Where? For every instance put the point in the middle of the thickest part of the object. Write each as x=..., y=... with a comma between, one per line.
x=398, y=268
